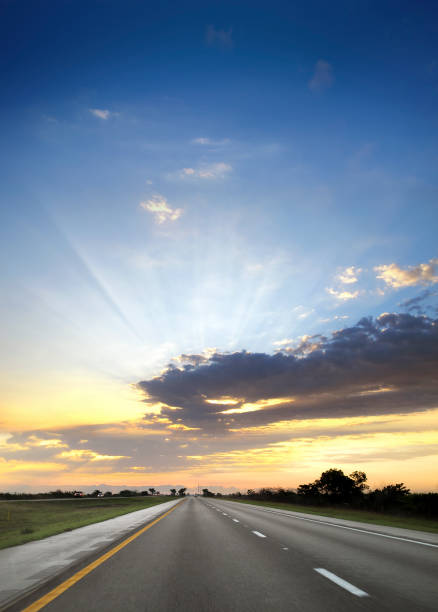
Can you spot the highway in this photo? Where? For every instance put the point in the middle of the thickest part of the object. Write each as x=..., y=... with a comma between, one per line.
x=211, y=555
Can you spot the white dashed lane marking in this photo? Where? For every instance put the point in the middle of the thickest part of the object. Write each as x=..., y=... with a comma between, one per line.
x=340, y=582
x=257, y=533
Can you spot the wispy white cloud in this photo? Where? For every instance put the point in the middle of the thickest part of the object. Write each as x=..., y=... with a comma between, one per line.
x=304, y=315
x=101, y=113
x=158, y=206
x=343, y=295
x=302, y=312
x=335, y=318
x=349, y=275
x=254, y=268
x=323, y=76
x=211, y=142
x=284, y=342
x=220, y=38
x=396, y=277
x=216, y=170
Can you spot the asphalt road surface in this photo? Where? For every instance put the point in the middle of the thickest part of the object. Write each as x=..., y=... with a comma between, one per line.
x=213, y=555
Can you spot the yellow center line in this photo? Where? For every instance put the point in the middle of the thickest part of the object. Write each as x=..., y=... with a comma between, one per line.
x=57, y=591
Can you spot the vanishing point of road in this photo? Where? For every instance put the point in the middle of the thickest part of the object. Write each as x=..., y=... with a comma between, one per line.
x=212, y=555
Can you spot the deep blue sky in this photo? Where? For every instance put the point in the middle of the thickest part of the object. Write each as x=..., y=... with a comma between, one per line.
x=321, y=175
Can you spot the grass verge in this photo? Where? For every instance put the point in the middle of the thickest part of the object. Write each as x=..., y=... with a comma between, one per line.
x=363, y=516
x=24, y=521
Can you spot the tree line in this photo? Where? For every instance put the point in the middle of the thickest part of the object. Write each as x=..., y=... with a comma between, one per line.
x=334, y=488
x=59, y=494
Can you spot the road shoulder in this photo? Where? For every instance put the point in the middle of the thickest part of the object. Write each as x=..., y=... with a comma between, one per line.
x=386, y=530
x=27, y=567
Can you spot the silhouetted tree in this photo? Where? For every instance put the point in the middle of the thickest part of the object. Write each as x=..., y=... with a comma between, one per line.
x=173, y=492
x=359, y=479
x=182, y=491
x=309, y=490
x=334, y=486
x=266, y=492
x=391, y=496
x=152, y=491
x=396, y=491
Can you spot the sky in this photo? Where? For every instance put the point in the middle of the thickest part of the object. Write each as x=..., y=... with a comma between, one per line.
x=218, y=239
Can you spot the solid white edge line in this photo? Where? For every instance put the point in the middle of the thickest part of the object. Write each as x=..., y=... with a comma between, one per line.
x=340, y=582
x=257, y=533
x=382, y=535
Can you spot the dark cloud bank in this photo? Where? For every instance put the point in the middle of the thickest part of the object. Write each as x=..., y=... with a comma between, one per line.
x=387, y=365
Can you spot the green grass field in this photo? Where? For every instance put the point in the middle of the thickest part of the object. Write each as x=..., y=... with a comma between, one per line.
x=24, y=521
x=421, y=524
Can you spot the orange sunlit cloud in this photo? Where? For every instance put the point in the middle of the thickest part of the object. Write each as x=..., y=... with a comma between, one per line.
x=88, y=455
x=291, y=453
x=259, y=405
